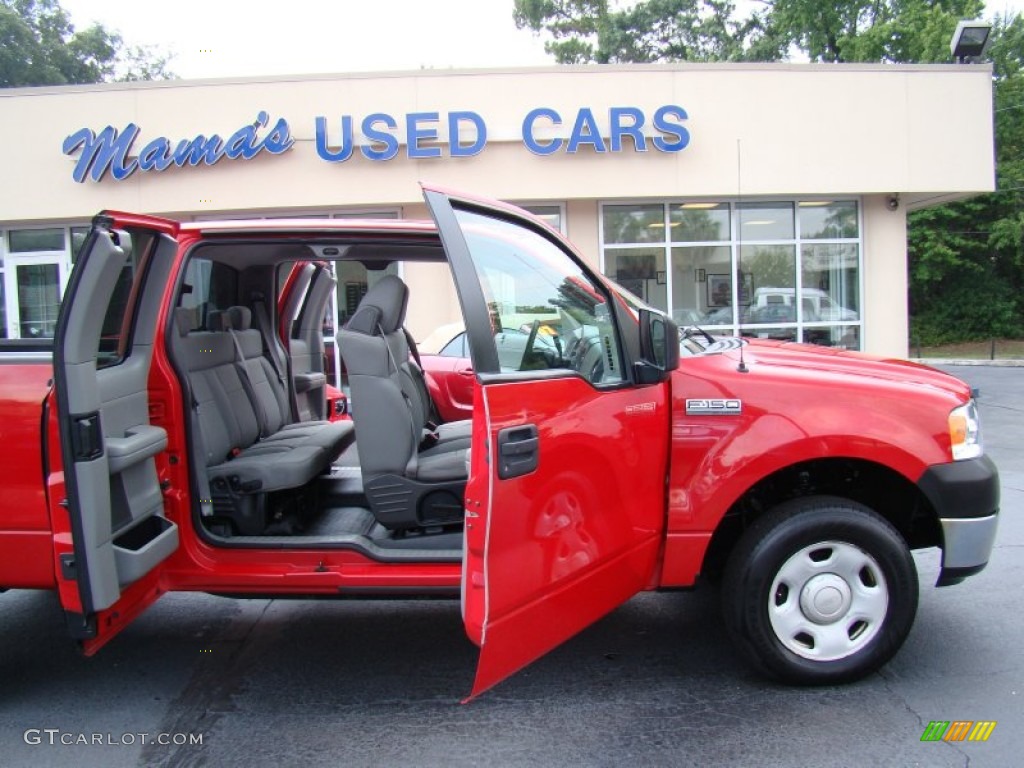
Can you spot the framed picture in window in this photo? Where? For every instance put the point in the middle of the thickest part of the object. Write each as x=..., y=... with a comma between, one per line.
x=719, y=288
x=719, y=291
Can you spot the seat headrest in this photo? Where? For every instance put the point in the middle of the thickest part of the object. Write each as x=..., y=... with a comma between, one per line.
x=183, y=320
x=217, y=320
x=239, y=318
x=383, y=305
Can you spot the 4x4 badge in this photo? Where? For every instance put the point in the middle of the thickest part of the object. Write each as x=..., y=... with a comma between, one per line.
x=724, y=406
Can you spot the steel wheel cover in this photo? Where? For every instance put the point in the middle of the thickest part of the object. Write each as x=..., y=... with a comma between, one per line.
x=828, y=601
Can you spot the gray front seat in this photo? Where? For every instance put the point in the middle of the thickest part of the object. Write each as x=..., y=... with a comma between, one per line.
x=407, y=486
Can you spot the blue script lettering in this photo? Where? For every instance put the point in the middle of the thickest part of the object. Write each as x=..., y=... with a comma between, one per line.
x=110, y=150
x=101, y=152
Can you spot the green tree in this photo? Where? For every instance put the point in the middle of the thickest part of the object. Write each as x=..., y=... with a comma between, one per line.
x=870, y=30
x=585, y=31
x=967, y=258
x=40, y=46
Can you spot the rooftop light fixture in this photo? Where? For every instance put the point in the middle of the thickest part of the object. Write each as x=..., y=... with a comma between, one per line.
x=970, y=40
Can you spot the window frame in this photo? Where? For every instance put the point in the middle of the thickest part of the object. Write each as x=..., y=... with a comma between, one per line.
x=736, y=243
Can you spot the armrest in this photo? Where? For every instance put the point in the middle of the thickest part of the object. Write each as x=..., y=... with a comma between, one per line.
x=307, y=381
x=138, y=444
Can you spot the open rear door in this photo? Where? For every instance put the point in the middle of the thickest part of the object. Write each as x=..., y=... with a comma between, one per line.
x=111, y=535
x=565, y=503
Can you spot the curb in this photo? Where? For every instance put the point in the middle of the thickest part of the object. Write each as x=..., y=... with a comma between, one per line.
x=993, y=363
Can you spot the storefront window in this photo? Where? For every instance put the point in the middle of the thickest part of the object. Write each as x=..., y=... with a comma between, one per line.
x=766, y=284
x=640, y=270
x=830, y=280
x=550, y=214
x=827, y=220
x=842, y=336
x=699, y=222
x=634, y=223
x=3, y=307
x=27, y=240
x=78, y=235
x=766, y=221
x=700, y=296
x=775, y=334
x=34, y=266
x=770, y=269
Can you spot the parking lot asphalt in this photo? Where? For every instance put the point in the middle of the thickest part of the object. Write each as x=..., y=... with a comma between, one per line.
x=273, y=682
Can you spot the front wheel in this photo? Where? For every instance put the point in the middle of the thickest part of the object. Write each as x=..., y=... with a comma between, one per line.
x=820, y=590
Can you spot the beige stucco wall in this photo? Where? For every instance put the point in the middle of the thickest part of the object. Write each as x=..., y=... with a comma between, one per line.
x=755, y=130
x=776, y=131
x=884, y=278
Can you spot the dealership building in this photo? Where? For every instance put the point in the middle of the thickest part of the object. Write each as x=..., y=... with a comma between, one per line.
x=769, y=200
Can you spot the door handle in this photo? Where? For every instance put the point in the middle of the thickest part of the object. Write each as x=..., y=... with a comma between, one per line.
x=518, y=451
x=467, y=372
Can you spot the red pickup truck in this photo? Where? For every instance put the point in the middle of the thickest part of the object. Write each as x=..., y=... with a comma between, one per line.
x=176, y=437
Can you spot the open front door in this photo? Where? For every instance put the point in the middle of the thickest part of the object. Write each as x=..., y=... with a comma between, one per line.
x=110, y=531
x=565, y=502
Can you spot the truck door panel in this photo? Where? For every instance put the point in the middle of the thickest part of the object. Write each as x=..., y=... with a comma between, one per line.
x=565, y=503
x=103, y=353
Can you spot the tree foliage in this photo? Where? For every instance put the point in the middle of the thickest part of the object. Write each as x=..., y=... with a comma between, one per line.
x=966, y=259
x=871, y=30
x=584, y=31
x=40, y=46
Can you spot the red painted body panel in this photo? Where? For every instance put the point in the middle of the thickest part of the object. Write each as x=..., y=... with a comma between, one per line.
x=24, y=519
x=554, y=550
x=799, y=403
x=450, y=380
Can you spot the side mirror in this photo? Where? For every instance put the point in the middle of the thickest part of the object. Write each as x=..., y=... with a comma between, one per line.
x=659, y=348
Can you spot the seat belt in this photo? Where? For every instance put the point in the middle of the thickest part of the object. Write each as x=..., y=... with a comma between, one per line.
x=433, y=416
x=202, y=480
x=270, y=344
x=250, y=390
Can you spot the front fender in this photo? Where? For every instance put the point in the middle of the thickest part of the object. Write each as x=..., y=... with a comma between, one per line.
x=717, y=457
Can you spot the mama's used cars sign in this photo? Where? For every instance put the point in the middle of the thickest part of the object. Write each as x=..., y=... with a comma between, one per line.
x=380, y=137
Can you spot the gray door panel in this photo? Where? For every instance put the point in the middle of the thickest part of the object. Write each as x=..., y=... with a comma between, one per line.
x=108, y=443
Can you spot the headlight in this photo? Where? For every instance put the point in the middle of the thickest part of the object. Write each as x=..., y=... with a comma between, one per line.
x=965, y=432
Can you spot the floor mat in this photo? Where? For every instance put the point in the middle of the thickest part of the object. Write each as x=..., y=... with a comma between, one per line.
x=341, y=521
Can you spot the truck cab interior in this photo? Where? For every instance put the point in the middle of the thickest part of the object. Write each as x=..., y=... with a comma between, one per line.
x=246, y=340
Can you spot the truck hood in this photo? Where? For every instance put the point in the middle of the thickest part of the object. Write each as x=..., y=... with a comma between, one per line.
x=830, y=361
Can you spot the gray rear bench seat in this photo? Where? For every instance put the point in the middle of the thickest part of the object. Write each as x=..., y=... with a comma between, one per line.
x=241, y=428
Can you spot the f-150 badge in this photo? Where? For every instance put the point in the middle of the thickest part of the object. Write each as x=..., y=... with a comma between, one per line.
x=716, y=406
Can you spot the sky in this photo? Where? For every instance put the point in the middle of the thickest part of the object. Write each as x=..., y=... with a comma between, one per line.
x=221, y=38
x=214, y=38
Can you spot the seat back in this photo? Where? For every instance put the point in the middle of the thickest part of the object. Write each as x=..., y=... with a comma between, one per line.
x=387, y=422
x=267, y=388
x=225, y=415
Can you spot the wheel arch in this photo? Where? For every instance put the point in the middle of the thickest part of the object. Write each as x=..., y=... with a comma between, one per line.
x=876, y=486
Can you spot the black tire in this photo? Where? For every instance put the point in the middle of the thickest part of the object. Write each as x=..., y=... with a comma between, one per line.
x=825, y=621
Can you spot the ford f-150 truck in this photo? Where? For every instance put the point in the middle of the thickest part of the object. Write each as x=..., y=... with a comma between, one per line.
x=176, y=438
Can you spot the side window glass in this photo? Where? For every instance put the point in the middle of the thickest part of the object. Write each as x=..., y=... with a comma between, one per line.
x=119, y=314
x=456, y=347
x=209, y=286
x=545, y=312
